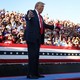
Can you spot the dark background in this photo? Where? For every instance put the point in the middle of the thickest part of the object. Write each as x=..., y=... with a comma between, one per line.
x=45, y=68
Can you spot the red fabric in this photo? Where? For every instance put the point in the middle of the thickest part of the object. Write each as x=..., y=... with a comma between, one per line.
x=1, y=37
x=41, y=24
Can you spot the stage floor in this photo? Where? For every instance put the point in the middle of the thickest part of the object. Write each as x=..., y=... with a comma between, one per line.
x=62, y=76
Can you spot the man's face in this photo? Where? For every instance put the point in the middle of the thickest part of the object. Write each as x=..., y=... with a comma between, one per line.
x=40, y=8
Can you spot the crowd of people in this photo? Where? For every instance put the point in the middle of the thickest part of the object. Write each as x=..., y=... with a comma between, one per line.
x=13, y=24
x=65, y=33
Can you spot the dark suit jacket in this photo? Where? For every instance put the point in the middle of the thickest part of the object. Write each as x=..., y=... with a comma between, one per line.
x=32, y=31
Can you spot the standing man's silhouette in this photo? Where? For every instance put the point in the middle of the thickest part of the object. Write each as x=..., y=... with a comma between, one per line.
x=34, y=36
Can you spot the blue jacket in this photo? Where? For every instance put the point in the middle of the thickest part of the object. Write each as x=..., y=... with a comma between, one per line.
x=32, y=31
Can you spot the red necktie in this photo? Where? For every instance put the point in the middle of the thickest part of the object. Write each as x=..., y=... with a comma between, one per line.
x=41, y=24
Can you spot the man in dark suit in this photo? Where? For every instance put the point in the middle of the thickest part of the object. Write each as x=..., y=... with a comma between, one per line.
x=34, y=36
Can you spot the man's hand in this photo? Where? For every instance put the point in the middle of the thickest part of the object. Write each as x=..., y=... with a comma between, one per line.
x=30, y=14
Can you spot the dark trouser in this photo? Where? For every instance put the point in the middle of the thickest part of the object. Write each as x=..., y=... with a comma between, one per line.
x=33, y=57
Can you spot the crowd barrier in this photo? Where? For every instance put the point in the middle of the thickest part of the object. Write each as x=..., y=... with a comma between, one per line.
x=17, y=53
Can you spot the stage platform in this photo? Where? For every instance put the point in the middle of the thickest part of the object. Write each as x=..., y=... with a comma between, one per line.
x=21, y=69
x=65, y=76
x=56, y=63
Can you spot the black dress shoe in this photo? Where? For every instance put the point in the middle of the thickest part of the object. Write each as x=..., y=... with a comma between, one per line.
x=40, y=76
x=32, y=77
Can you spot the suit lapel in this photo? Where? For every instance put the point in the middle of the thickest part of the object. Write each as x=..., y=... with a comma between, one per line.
x=36, y=16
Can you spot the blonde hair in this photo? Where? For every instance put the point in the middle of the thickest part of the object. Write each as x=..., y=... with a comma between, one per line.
x=38, y=4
